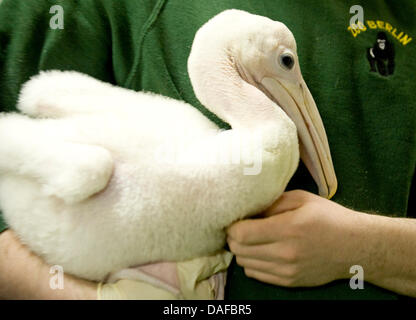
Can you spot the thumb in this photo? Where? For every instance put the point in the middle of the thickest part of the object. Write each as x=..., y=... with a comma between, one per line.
x=288, y=201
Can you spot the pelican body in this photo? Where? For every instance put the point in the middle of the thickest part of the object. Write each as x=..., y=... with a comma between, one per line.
x=81, y=177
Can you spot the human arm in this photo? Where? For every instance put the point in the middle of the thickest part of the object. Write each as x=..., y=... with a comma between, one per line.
x=305, y=240
x=24, y=275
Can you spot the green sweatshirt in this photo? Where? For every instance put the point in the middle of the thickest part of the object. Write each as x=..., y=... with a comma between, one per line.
x=364, y=94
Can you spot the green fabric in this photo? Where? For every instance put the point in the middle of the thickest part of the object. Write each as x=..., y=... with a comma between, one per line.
x=370, y=120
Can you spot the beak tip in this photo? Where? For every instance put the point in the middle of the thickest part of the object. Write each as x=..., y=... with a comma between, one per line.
x=330, y=191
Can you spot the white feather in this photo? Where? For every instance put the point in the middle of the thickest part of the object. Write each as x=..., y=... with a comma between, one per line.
x=84, y=184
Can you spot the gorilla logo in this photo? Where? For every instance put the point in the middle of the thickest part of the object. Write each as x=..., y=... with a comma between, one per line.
x=381, y=55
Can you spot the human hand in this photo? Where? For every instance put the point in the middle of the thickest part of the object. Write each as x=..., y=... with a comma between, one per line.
x=301, y=240
x=23, y=275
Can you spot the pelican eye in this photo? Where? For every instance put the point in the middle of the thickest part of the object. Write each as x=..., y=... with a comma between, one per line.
x=286, y=61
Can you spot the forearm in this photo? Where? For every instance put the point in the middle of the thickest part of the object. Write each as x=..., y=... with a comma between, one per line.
x=23, y=275
x=386, y=249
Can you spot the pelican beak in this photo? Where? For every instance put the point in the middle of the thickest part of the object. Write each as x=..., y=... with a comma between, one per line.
x=296, y=100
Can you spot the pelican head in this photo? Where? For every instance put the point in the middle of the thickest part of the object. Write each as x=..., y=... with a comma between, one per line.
x=242, y=66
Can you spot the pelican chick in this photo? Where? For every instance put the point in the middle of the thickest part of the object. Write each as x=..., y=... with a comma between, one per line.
x=79, y=180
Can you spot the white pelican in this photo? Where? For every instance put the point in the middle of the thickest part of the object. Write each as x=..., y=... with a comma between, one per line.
x=79, y=180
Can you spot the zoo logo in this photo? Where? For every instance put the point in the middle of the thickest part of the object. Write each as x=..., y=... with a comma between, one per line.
x=381, y=55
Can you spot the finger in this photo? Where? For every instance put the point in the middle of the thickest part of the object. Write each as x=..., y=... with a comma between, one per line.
x=288, y=201
x=254, y=231
x=265, y=277
x=265, y=252
x=279, y=269
x=256, y=264
x=262, y=230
